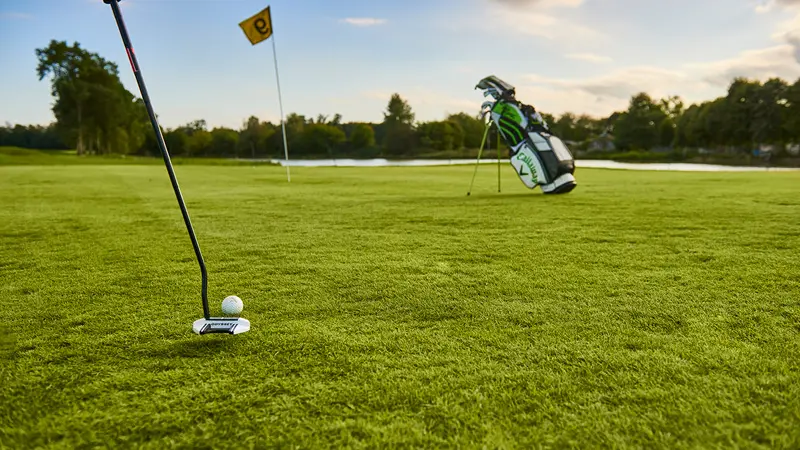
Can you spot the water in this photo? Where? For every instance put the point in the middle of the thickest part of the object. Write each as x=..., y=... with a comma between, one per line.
x=587, y=163
x=680, y=167
x=377, y=162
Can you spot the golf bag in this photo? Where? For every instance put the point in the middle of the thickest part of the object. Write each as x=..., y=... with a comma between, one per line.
x=539, y=157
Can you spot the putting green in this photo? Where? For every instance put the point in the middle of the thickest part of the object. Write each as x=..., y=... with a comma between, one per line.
x=388, y=309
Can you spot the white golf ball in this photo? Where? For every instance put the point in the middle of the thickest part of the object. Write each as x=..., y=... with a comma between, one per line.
x=232, y=305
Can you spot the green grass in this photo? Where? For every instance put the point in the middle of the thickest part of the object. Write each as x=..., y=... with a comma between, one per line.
x=17, y=156
x=390, y=310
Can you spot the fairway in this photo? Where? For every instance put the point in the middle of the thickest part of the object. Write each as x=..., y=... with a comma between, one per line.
x=388, y=309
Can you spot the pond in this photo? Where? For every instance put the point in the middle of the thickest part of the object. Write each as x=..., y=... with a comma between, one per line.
x=601, y=164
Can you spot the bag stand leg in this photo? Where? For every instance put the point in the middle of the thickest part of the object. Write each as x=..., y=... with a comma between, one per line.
x=480, y=152
x=498, y=159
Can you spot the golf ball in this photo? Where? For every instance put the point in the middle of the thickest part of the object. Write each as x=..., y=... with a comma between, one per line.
x=232, y=305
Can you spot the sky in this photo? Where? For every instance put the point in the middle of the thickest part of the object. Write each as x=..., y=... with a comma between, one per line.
x=350, y=56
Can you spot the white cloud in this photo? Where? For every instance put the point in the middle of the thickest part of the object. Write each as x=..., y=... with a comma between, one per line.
x=794, y=41
x=778, y=61
x=560, y=100
x=589, y=57
x=540, y=18
x=768, y=5
x=619, y=84
x=547, y=19
x=601, y=95
x=790, y=26
x=789, y=32
x=549, y=26
x=611, y=91
x=363, y=21
x=597, y=96
x=529, y=4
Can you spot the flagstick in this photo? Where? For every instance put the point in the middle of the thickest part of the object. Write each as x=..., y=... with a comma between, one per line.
x=280, y=103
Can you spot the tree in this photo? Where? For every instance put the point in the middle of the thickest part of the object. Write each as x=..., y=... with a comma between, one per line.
x=362, y=136
x=768, y=112
x=791, y=119
x=714, y=117
x=638, y=127
x=66, y=64
x=31, y=136
x=440, y=135
x=295, y=123
x=666, y=132
x=689, y=128
x=398, y=121
x=472, y=128
x=586, y=127
x=224, y=142
x=566, y=126
x=177, y=142
x=672, y=106
x=248, y=135
x=92, y=107
x=398, y=111
x=736, y=125
x=320, y=139
x=255, y=136
x=200, y=143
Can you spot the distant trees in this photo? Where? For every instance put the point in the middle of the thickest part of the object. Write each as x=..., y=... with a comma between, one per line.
x=750, y=115
x=472, y=128
x=32, y=136
x=398, y=127
x=362, y=136
x=641, y=126
x=254, y=137
x=96, y=114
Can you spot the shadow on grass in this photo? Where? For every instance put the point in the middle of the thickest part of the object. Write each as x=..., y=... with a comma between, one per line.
x=199, y=347
x=8, y=342
x=485, y=197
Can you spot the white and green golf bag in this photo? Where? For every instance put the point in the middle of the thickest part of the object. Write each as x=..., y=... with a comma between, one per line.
x=539, y=157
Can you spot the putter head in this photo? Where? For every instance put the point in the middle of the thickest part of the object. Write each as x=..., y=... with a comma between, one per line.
x=225, y=325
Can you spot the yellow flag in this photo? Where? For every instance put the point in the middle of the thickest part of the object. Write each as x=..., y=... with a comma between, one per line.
x=258, y=27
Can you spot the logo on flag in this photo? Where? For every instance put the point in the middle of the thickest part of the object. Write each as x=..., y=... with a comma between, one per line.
x=259, y=27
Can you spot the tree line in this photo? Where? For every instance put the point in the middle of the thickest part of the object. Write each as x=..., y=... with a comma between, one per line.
x=95, y=114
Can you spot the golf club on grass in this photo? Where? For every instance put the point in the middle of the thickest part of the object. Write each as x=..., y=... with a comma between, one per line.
x=208, y=324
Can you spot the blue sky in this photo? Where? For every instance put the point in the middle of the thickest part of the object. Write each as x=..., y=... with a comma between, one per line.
x=349, y=56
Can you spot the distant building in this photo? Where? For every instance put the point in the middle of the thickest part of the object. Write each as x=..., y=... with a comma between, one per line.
x=602, y=143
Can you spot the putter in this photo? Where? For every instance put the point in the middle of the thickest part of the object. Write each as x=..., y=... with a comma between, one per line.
x=208, y=324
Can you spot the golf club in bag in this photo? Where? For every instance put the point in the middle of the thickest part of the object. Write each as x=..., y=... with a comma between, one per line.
x=539, y=157
x=208, y=324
